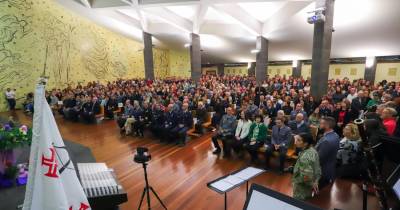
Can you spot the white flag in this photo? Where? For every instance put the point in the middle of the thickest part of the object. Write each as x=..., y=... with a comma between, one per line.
x=52, y=181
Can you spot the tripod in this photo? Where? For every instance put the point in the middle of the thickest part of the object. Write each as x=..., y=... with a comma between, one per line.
x=146, y=191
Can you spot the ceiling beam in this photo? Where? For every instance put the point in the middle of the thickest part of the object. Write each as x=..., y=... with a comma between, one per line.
x=199, y=17
x=283, y=15
x=170, y=17
x=143, y=21
x=244, y=19
x=86, y=3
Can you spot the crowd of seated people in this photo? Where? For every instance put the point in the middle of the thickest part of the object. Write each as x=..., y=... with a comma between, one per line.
x=247, y=116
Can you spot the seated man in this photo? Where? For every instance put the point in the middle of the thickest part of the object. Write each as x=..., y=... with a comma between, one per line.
x=299, y=125
x=110, y=106
x=226, y=131
x=157, y=120
x=127, y=113
x=257, y=136
x=298, y=109
x=185, y=122
x=201, y=115
x=280, y=138
x=132, y=123
x=171, y=121
x=90, y=109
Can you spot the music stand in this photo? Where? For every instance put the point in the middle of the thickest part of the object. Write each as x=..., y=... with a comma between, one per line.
x=229, y=182
x=262, y=198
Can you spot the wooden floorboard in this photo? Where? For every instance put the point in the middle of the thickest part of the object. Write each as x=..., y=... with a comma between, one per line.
x=179, y=175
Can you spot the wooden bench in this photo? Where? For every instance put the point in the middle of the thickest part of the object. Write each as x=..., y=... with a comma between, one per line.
x=206, y=124
x=290, y=154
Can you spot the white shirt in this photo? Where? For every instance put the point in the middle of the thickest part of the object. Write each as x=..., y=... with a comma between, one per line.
x=243, y=126
x=10, y=94
x=351, y=97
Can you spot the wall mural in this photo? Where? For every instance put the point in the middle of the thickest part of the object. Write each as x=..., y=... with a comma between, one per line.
x=39, y=36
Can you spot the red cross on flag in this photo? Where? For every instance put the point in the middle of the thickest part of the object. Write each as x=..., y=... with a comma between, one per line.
x=52, y=181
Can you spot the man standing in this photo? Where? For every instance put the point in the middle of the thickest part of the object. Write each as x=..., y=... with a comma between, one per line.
x=10, y=96
x=226, y=131
x=280, y=138
x=327, y=149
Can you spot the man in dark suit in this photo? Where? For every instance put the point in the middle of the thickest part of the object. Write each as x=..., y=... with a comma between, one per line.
x=90, y=109
x=327, y=149
x=280, y=139
x=359, y=103
x=171, y=121
x=185, y=122
x=201, y=115
x=157, y=120
x=299, y=125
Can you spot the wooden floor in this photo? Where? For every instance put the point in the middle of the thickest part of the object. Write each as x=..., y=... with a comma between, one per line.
x=179, y=175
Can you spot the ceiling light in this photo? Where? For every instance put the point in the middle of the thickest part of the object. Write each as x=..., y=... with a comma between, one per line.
x=210, y=41
x=370, y=61
x=294, y=63
x=255, y=51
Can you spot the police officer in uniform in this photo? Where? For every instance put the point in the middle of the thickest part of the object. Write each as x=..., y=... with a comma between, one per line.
x=226, y=132
x=171, y=121
x=157, y=120
x=185, y=122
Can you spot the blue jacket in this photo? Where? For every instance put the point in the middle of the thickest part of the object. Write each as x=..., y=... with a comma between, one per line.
x=327, y=149
x=281, y=136
x=186, y=119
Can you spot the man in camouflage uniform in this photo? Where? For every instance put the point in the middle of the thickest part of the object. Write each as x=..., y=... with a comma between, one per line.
x=307, y=171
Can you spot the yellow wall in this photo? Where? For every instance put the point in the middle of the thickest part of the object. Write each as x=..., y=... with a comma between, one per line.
x=387, y=71
x=179, y=64
x=351, y=71
x=306, y=71
x=77, y=49
x=280, y=70
x=236, y=70
x=339, y=71
x=204, y=70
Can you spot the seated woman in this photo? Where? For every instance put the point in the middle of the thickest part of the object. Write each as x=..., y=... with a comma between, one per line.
x=256, y=138
x=242, y=132
x=348, y=156
x=307, y=171
x=342, y=115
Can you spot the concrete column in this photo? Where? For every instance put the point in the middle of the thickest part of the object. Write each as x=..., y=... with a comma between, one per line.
x=148, y=56
x=321, y=50
x=261, y=59
x=370, y=69
x=252, y=70
x=195, y=56
x=296, y=69
x=220, y=69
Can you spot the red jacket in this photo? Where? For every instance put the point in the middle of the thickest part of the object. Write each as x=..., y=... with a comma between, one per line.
x=390, y=125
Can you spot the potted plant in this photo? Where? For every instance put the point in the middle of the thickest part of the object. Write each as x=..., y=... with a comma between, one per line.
x=10, y=173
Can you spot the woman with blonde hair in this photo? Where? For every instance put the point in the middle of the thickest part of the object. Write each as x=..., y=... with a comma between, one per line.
x=348, y=156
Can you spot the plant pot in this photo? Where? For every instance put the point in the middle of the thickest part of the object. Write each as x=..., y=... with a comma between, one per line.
x=6, y=183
